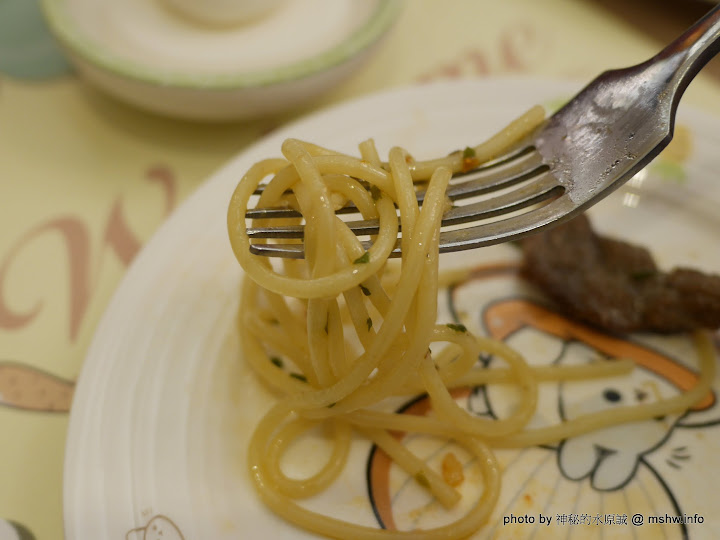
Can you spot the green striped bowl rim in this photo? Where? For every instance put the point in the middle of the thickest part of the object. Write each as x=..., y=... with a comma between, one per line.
x=68, y=33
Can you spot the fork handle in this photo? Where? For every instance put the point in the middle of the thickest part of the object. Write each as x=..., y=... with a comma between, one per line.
x=689, y=53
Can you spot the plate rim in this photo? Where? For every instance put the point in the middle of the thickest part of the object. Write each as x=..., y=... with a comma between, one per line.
x=215, y=181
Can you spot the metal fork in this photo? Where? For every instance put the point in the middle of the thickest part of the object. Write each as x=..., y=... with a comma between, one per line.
x=600, y=139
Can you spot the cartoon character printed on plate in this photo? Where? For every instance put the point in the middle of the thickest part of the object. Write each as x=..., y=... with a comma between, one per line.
x=593, y=479
x=159, y=527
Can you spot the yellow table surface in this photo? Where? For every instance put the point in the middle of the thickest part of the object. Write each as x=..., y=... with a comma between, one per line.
x=85, y=180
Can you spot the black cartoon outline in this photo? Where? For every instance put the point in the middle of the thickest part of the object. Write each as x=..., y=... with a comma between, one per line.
x=148, y=525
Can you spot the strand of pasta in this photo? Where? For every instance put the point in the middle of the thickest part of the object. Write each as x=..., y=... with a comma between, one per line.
x=447, y=409
x=306, y=487
x=427, y=223
x=332, y=285
x=571, y=428
x=488, y=150
x=336, y=528
x=413, y=466
x=391, y=369
x=253, y=348
x=594, y=370
x=625, y=414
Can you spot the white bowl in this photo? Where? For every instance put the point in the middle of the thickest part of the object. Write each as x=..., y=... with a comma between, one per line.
x=147, y=55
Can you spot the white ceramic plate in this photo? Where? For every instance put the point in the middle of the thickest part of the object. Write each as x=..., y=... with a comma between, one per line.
x=165, y=405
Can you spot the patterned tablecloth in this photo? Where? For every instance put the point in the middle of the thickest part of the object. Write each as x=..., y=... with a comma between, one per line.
x=85, y=180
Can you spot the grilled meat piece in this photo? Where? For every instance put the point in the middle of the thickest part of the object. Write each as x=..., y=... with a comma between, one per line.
x=617, y=286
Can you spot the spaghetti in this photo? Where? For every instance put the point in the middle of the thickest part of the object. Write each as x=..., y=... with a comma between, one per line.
x=337, y=341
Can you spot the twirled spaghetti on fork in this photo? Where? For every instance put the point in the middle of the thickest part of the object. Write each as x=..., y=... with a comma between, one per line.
x=337, y=336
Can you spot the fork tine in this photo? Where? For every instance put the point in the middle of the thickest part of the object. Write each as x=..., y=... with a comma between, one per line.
x=544, y=188
x=558, y=211
x=513, y=168
x=527, y=164
x=286, y=251
x=483, y=185
x=535, y=192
